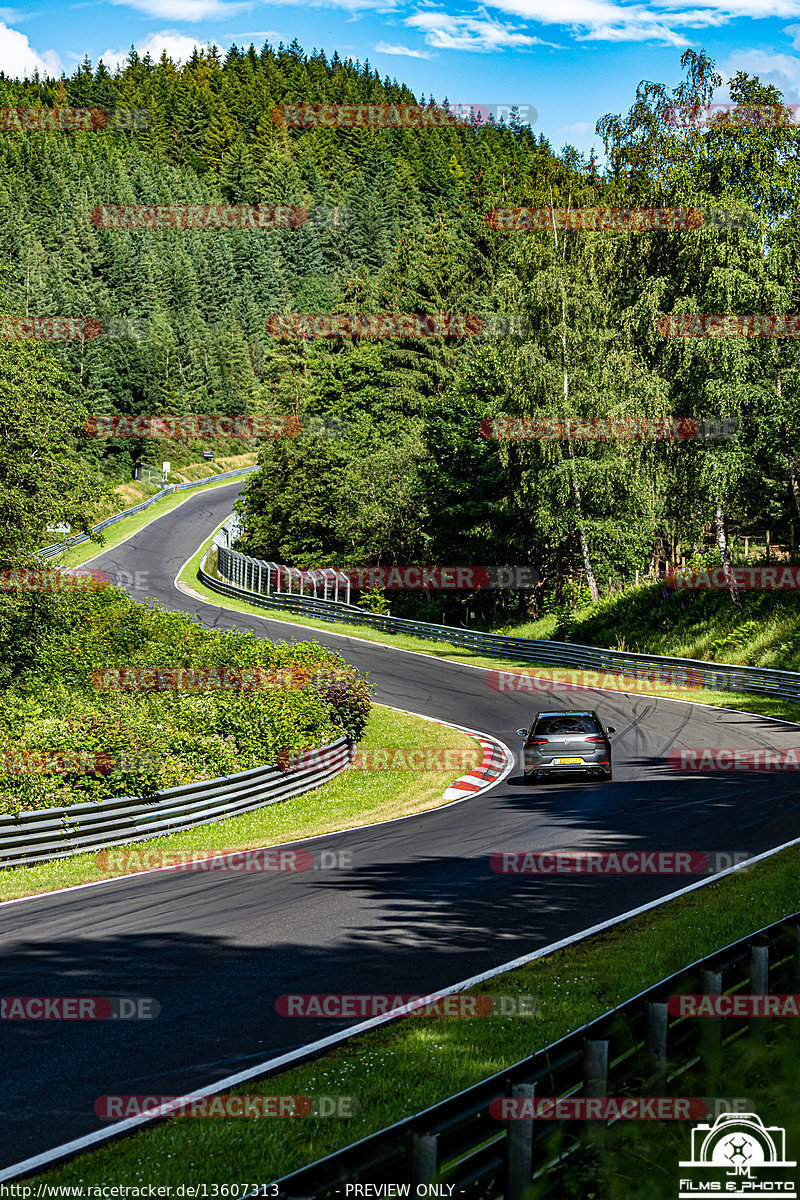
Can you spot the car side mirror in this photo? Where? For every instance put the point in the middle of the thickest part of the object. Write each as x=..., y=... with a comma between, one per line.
x=522, y=733
x=610, y=729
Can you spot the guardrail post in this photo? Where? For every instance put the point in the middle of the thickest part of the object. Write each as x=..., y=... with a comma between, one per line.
x=656, y=1043
x=424, y=1149
x=519, y=1148
x=711, y=1027
x=595, y=1068
x=759, y=985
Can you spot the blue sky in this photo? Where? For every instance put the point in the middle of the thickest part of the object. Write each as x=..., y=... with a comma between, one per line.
x=573, y=60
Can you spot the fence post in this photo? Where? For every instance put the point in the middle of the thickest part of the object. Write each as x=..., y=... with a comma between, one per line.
x=759, y=985
x=711, y=1027
x=423, y=1158
x=595, y=1068
x=656, y=1042
x=519, y=1148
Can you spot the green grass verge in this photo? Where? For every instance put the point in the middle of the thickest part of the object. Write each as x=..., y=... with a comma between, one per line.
x=396, y=1071
x=355, y=797
x=762, y=629
x=124, y=529
x=746, y=701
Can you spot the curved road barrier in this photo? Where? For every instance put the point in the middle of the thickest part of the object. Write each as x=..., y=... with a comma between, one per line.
x=45, y=834
x=241, y=575
x=481, y=1141
x=78, y=538
x=236, y=941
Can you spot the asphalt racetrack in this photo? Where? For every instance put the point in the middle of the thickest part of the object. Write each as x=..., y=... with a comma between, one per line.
x=419, y=909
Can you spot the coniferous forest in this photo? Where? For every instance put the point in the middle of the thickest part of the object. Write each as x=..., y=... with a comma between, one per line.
x=409, y=477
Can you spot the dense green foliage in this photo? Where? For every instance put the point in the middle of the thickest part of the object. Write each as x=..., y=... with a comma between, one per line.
x=53, y=702
x=412, y=479
x=761, y=630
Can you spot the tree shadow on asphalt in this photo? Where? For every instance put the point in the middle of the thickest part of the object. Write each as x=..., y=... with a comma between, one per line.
x=397, y=928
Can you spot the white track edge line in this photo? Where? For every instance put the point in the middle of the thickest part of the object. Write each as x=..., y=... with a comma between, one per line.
x=191, y=496
x=101, y=1135
x=188, y=591
x=76, y=887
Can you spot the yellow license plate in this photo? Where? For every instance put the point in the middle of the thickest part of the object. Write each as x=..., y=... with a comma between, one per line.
x=563, y=762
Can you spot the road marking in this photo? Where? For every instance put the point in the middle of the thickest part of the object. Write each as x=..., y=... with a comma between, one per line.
x=314, y=1048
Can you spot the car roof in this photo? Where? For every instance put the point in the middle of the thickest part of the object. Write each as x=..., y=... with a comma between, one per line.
x=572, y=712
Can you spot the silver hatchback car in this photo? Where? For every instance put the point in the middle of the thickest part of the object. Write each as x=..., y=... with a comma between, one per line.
x=561, y=742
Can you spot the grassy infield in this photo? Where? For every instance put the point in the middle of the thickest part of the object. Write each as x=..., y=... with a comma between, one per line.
x=398, y=1070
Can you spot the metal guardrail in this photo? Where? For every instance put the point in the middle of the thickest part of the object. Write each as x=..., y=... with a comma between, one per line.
x=51, y=833
x=240, y=576
x=635, y=1049
x=78, y=538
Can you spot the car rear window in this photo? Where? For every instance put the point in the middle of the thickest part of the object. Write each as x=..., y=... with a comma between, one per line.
x=559, y=726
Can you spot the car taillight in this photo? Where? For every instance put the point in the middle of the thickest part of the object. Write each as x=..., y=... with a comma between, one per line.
x=598, y=741
x=537, y=741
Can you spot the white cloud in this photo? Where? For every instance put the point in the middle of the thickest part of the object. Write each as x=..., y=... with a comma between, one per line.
x=393, y=48
x=652, y=31
x=18, y=58
x=657, y=21
x=188, y=10
x=580, y=127
x=177, y=45
x=446, y=32
x=781, y=70
x=202, y=10
x=739, y=8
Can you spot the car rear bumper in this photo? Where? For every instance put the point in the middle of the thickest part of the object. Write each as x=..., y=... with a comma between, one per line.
x=587, y=767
